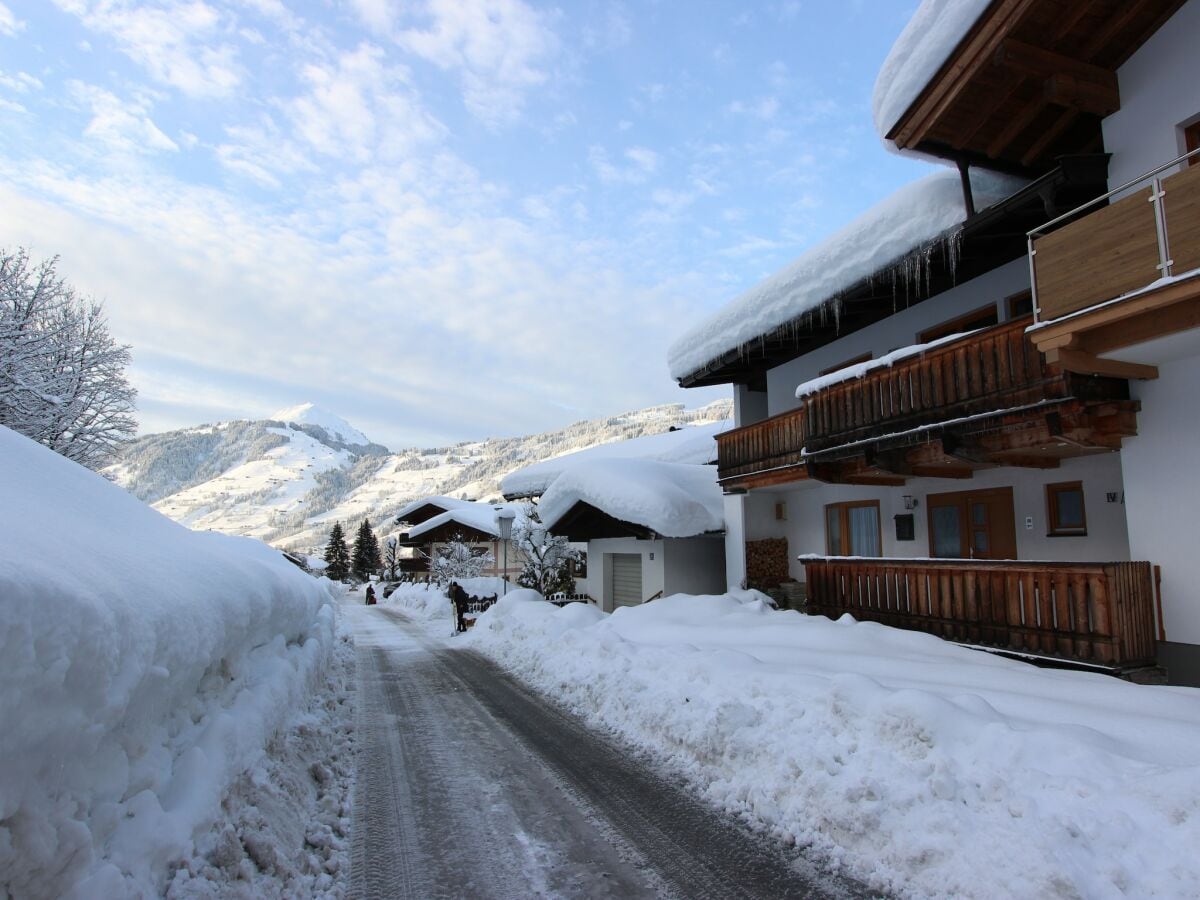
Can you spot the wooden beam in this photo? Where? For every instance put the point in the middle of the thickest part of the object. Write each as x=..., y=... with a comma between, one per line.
x=1075, y=327
x=972, y=54
x=1086, y=364
x=959, y=472
x=1026, y=461
x=1041, y=63
x=1115, y=25
x=1015, y=126
x=1080, y=94
x=1153, y=324
x=1049, y=136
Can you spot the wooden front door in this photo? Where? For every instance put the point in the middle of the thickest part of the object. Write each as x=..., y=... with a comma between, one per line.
x=973, y=525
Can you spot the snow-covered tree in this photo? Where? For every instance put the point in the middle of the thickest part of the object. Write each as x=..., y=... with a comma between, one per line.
x=547, y=556
x=366, y=559
x=62, y=376
x=456, y=560
x=391, y=556
x=337, y=555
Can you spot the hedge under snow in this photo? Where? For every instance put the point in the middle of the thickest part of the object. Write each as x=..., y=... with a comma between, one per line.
x=145, y=666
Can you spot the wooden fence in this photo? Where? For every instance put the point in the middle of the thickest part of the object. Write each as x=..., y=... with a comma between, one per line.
x=770, y=444
x=1101, y=613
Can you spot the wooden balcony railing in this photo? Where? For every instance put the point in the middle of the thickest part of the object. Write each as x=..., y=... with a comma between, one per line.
x=1119, y=248
x=989, y=370
x=1100, y=613
x=773, y=443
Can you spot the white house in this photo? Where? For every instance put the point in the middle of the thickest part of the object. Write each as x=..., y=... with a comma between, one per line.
x=939, y=454
x=648, y=513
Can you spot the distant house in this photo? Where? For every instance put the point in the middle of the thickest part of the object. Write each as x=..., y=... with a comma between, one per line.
x=648, y=511
x=433, y=522
x=973, y=410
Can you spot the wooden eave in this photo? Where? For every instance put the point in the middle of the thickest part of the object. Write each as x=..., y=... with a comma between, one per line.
x=1030, y=82
x=424, y=513
x=584, y=522
x=990, y=238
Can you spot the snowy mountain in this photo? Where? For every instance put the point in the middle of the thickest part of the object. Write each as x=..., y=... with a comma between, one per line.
x=288, y=478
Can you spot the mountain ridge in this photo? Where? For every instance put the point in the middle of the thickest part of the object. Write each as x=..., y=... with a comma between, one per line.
x=285, y=482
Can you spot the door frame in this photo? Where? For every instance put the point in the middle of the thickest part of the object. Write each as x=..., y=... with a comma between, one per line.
x=963, y=500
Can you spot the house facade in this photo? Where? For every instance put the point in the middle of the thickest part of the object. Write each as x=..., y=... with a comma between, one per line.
x=940, y=408
x=433, y=522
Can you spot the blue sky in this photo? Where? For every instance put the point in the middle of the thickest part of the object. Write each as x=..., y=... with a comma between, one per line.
x=440, y=219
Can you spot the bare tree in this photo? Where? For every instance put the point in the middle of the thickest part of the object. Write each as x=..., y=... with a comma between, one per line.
x=62, y=376
x=456, y=560
x=547, y=556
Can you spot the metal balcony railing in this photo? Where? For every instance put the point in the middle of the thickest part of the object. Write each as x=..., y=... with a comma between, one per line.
x=1082, y=259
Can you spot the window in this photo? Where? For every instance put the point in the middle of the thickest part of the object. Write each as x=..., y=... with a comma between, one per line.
x=1065, y=514
x=1020, y=305
x=852, y=529
x=865, y=357
x=578, y=567
x=1191, y=141
x=980, y=318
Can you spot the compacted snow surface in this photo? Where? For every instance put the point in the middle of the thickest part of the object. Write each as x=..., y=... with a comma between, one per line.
x=923, y=768
x=145, y=670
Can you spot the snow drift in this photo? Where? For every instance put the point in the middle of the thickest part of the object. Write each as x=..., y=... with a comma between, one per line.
x=924, y=768
x=145, y=668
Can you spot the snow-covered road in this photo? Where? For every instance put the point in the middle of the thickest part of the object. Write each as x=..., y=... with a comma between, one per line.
x=470, y=786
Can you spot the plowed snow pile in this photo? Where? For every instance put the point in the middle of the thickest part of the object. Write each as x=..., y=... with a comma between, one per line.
x=921, y=767
x=144, y=669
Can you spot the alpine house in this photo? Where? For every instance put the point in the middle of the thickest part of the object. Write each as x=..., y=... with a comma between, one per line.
x=647, y=511
x=972, y=411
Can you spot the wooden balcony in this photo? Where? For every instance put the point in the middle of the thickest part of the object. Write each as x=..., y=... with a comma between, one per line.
x=766, y=449
x=1098, y=613
x=1120, y=277
x=989, y=398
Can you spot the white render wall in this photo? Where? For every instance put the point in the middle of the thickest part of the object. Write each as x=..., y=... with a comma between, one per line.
x=735, y=540
x=599, y=580
x=899, y=330
x=1160, y=91
x=694, y=565
x=1163, y=493
x=1106, y=540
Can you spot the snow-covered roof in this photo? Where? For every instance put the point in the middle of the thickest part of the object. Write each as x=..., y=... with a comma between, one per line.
x=929, y=39
x=310, y=414
x=694, y=444
x=446, y=503
x=671, y=499
x=911, y=219
x=480, y=516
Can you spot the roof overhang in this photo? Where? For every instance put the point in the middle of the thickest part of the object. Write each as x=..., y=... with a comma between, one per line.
x=584, y=522
x=1030, y=82
x=989, y=239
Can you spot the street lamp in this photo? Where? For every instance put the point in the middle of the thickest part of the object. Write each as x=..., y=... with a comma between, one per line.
x=504, y=519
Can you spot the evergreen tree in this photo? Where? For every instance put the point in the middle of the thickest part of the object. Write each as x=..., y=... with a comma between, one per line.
x=366, y=560
x=337, y=556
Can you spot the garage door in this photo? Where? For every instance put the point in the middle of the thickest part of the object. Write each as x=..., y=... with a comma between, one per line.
x=627, y=579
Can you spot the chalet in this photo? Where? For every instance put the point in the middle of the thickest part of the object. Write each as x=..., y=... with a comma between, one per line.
x=432, y=522
x=647, y=512
x=971, y=411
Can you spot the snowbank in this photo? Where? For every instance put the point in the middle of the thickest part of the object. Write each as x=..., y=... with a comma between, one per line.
x=146, y=667
x=909, y=220
x=931, y=36
x=693, y=444
x=672, y=499
x=924, y=768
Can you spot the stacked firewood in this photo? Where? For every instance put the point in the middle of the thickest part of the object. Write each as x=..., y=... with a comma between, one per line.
x=767, y=563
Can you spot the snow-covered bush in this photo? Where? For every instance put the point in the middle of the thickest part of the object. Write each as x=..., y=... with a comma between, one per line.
x=138, y=680
x=456, y=560
x=547, y=556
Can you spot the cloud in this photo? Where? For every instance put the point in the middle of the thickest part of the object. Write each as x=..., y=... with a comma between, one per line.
x=121, y=125
x=178, y=42
x=9, y=23
x=764, y=108
x=643, y=163
x=499, y=49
